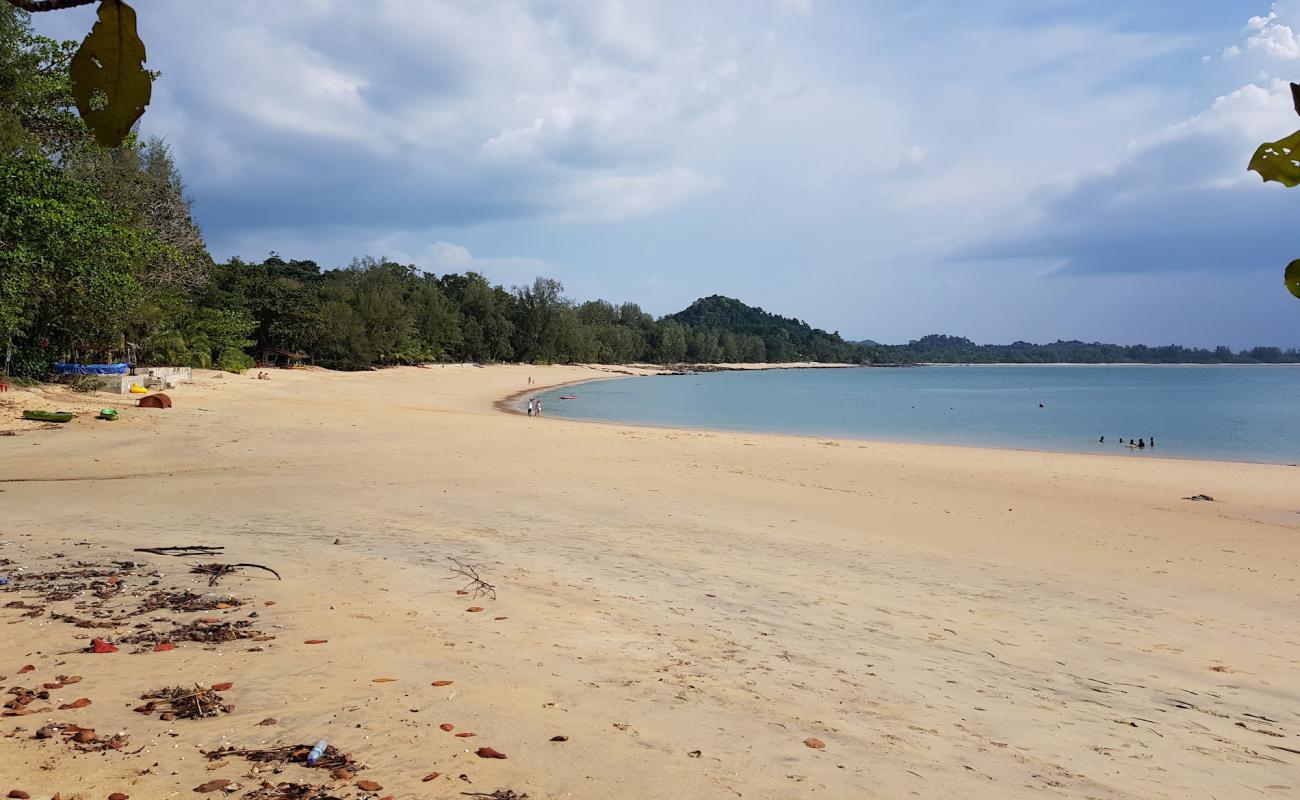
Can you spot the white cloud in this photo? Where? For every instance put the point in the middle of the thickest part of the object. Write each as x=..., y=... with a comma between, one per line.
x=618, y=196
x=443, y=257
x=1276, y=40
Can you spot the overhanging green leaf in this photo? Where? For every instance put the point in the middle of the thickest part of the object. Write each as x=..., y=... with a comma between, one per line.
x=109, y=81
x=1292, y=277
x=1279, y=161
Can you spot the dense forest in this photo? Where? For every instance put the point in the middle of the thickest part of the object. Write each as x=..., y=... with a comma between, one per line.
x=938, y=348
x=101, y=259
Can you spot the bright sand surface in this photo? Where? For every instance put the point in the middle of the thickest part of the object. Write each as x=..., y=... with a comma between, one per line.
x=686, y=607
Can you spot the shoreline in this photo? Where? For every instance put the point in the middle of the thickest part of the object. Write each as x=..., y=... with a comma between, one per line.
x=505, y=405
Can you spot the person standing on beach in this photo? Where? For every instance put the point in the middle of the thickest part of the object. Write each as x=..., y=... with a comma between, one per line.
x=530, y=406
x=537, y=412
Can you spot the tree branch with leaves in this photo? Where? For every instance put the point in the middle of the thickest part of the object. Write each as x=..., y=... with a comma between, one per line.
x=1280, y=161
x=110, y=84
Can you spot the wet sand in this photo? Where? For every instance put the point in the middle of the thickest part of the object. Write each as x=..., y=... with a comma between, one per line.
x=686, y=607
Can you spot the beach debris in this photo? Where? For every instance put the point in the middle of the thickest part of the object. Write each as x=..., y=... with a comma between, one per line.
x=480, y=587
x=18, y=706
x=187, y=601
x=447, y=726
x=474, y=609
x=331, y=757
x=184, y=550
x=560, y=738
x=213, y=786
x=159, y=400
x=431, y=776
x=269, y=721
x=466, y=735
x=316, y=641
x=208, y=631
x=218, y=571
x=186, y=703
x=382, y=680
x=85, y=739
x=814, y=743
x=19, y=794
x=488, y=752
x=101, y=646
x=1200, y=497
x=499, y=794
x=80, y=702
x=695, y=754
x=316, y=753
x=369, y=786
x=291, y=791
x=442, y=683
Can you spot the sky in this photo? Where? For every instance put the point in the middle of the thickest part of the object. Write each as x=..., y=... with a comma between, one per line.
x=998, y=169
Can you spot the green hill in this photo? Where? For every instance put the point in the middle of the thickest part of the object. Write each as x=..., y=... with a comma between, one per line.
x=781, y=338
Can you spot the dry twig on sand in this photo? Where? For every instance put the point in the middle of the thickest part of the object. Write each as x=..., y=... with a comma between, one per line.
x=219, y=571
x=184, y=550
x=481, y=587
x=184, y=703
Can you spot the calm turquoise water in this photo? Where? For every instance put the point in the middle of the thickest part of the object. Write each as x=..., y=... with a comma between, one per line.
x=1230, y=413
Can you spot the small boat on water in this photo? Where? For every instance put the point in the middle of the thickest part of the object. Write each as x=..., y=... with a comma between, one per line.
x=568, y=397
x=49, y=416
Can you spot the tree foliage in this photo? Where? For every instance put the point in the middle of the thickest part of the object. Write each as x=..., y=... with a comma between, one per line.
x=1280, y=161
x=109, y=82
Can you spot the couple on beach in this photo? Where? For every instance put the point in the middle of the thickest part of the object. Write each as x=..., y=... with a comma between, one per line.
x=534, y=407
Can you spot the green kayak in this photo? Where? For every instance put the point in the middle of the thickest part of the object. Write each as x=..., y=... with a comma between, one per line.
x=49, y=416
x=109, y=414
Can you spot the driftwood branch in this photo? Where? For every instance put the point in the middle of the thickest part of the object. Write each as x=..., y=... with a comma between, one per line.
x=184, y=550
x=480, y=586
x=36, y=6
x=218, y=571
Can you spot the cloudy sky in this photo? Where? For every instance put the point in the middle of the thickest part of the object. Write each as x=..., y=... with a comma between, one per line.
x=1000, y=169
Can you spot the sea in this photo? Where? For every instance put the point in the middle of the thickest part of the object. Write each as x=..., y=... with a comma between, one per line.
x=1231, y=413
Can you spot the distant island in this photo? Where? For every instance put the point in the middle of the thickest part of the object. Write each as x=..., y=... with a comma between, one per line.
x=940, y=349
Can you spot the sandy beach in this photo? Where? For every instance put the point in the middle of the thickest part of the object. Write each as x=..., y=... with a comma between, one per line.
x=692, y=610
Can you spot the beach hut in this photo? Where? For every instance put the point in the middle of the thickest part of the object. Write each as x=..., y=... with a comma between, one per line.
x=285, y=359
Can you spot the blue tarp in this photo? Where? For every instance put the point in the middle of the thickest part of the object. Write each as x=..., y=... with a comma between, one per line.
x=92, y=369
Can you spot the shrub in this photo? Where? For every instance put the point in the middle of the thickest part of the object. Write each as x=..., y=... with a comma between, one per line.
x=232, y=360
